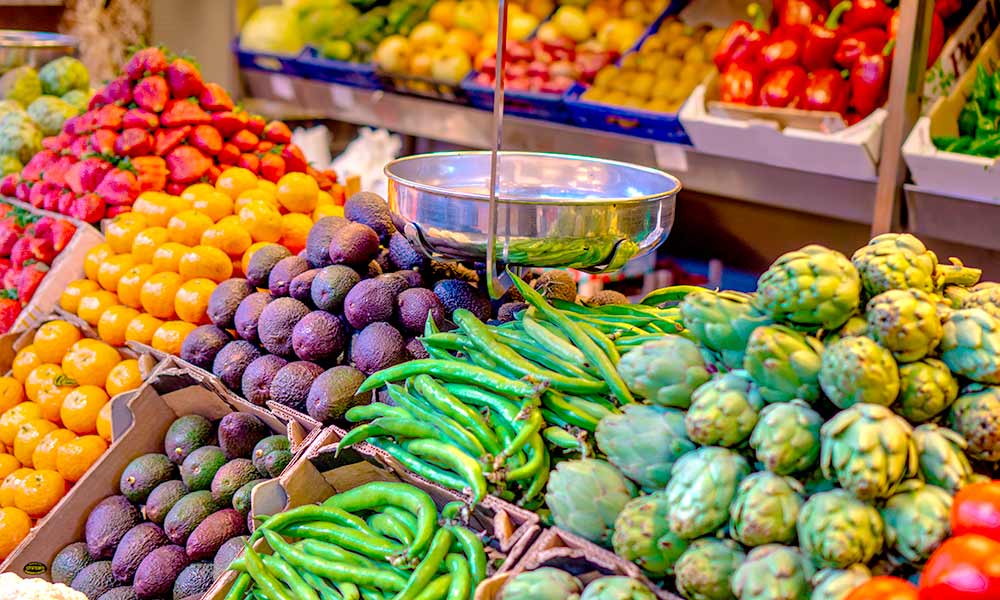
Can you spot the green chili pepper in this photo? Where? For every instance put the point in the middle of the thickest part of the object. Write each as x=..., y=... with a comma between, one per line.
x=982, y=85
x=367, y=412
x=438, y=589
x=239, y=588
x=420, y=467
x=406, y=518
x=348, y=590
x=333, y=552
x=287, y=575
x=968, y=117
x=442, y=401
x=430, y=564
x=382, y=579
x=266, y=583
x=461, y=577
x=986, y=147
x=538, y=480
x=556, y=344
x=450, y=428
x=472, y=548
x=451, y=458
x=558, y=404
x=372, y=545
x=449, y=371
x=378, y=494
x=539, y=354
x=669, y=295
x=536, y=458
x=560, y=438
x=326, y=591
x=391, y=528
x=312, y=512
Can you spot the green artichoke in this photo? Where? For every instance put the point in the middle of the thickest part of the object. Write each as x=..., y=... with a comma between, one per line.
x=585, y=497
x=784, y=363
x=642, y=535
x=869, y=450
x=838, y=530
x=857, y=370
x=665, y=371
x=542, y=584
x=705, y=570
x=986, y=298
x=814, y=287
x=9, y=164
x=50, y=112
x=723, y=411
x=926, y=389
x=64, y=75
x=836, y=584
x=19, y=136
x=644, y=442
x=9, y=106
x=896, y=261
x=722, y=322
x=971, y=345
x=941, y=453
x=786, y=437
x=906, y=322
x=916, y=520
x=773, y=572
x=975, y=416
x=617, y=588
x=701, y=488
x=21, y=85
x=77, y=99
x=856, y=326
x=765, y=509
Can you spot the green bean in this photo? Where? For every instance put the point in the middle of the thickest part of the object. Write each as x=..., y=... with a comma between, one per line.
x=348, y=590
x=237, y=564
x=333, y=552
x=312, y=512
x=449, y=371
x=367, y=412
x=536, y=458
x=571, y=414
x=560, y=438
x=446, y=341
x=382, y=579
x=358, y=435
x=406, y=518
x=531, y=427
x=372, y=545
x=389, y=527
x=378, y=494
x=595, y=409
x=461, y=578
x=602, y=341
x=267, y=583
x=442, y=400
x=674, y=293
x=367, y=594
x=479, y=359
x=555, y=343
x=436, y=353
x=326, y=591
x=449, y=457
x=538, y=481
x=430, y=564
x=540, y=355
x=472, y=548
x=239, y=588
x=447, y=426
x=436, y=589
x=287, y=575
x=420, y=467
x=636, y=340
x=477, y=396
x=507, y=433
x=388, y=426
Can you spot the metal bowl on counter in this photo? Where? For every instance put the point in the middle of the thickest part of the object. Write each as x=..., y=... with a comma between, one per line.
x=33, y=48
x=553, y=210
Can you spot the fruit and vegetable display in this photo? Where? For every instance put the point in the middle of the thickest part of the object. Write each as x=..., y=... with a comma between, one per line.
x=55, y=421
x=181, y=516
x=978, y=134
x=377, y=540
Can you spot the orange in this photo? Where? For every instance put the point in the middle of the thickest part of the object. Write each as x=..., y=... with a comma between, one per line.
x=124, y=377
x=39, y=492
x=46, y=450
x=245, y=262
x=167, y=257
x=297, y=192
x=195, y=191
x=24, y=362
x=70, y=298
x=104, y=422
x=90, y=361
x=294, y=231
x=324, y=197
x=11, y=420
x=234, y=180
x=248, y=196
x=169, y=337
x=142, y=328
x=75, y=456
x=81, y=407
x=228, y=236
x=130, y=284
x=111, y=270
x=8, y=464
x=267, y=186
x=113, y=322
x=146, y=242
x=191, y=301
x=262, y=220
x=229, y=220
x=41, y=376
x=187, y=226
x=215, y=204
x=327, y=210
x=51, y=397
x=121, y=231
x=14, y=527
x=158, y=207
x=10, y=484
x=95, y=256
x=11, y=393
x=93, y=305
x=28, y=436
x=157, y=294
x=207, y=262
x=54, y=338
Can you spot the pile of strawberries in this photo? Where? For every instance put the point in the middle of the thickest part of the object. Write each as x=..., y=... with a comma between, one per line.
x=158, y=127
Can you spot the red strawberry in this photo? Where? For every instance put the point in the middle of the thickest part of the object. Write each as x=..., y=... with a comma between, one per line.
x=212, y=174
x=56, y=172
x=88, y=207
x=58, y=142
x=183, y=112
x=8, y=237
x=35, y=197
x=10, y=308
x=134, y=142
x=256, y=124
x=142, y=119
x=322, y=180
x=277, y=132
x=146, y=61
x=166, y=140
x=33, y=249
x=229, y=122
x=109, y=116
x=37, y=165
x=80, y=147
x=264, y=146
x=227, y=156
x=4, y=267
x=45, y=194
x=118, y=187
x=215, y=97
x=295, y=161
x=187, y=164
x=272, y=167
x=92, y=173
x=174, y=188
x=82, y=124
x=102, y=141
x=23, y=191
x=151, y=93
x=8, y=185
x=249, y=161
x=114, y=211
x=118, y=91
x=206, y=138
x=66, y=199
x=245, y=140
x=56, y=231
x=10, y=277
x=31, y=278
x=184, y=79
x=151, y=171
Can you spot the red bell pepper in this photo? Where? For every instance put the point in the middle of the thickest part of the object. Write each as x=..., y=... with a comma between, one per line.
x=867, y=41
x=799, y=14
x=783, y=49
x=934, y=43
x=870, y=80
x=783, y=87
x=867, y=13
x=976, y=509
x=884, y=587
x=946, y=8
x=742, y=41
x=827, y=90
x=822, y=40
x=740, y=84
x=966, y=567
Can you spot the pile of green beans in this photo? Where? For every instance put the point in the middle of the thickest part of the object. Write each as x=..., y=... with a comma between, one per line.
x=378, y=541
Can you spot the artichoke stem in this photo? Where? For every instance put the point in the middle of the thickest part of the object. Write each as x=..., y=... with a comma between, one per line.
x=958, y=274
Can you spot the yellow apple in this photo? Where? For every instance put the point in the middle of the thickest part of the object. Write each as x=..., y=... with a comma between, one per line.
x=473, y=14
x=464, y=39
x=429, y=34
x=520, y=26
x=393, y=54
x=443, y=13
x=450, y=64
x=420, y=64
x=572, y=21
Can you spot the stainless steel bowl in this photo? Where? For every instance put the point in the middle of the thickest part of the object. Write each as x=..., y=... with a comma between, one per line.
x=33, y=48
x=553, y=210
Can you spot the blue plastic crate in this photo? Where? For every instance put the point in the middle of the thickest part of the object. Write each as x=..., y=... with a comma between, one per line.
x=663, y=127
x=534, y=105
x=312, y=65
x=265, y=61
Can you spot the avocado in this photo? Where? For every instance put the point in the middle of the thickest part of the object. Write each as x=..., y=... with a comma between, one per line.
x=124, y=592
x=227, y=552
x=200, y=467
x=369, y=301
x=396, y=282
x=276, y=323
x=232, y=360
x=256, y=381
x=194, y=580
x=413, y=278
x=186, y=514
x=319, y=337
x=605, y=297
x=185, y=434
x=371, y=270
x=378, y=346
x=137, y=543
x=157, y=572
x=284, y=272
x=211, y=533
x=239, y=433
x=413, y=306
x=94, y=580
x=162, y=499
x=69, y=561
x=247, y=315
x=353, y=244
x=318, y=240
x=273, y=443
x=333, y=392
x=291, y=383
x=372, y=210
x=403, y=255
x=331, y=285
x=455, y=293
x=555, y=284
x=107, y=523
x=232, y=476
x=143, y=474
x=437, y=270
x=301, y=286
x=275, y=462
x=225, y=299
x=262, y=261
x=202, y=345
x=241, y=499
x=507, y=312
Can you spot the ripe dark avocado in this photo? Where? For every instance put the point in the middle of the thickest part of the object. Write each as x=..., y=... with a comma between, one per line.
x=248, y=314
x=319, y=336
x=353, y=244
x=330, y=287
x=124, y=592
x=211, y=533
x=413, y=306
x=455, y=293
x=290, y=385
x=194, y=580
x=404, y=255
x=202, y=345
x=378, y=346
x=369, y=301
x=232, y=476
x=186, y=514
x=273, y=443
x=239, y=433
x=415, y=349
x=185, y=434
x=94, y=580
x=262, y=261
x=276, y=323
x=506, y=312
x=107, y=523
x=162, y=499
x=318, y=241
x=70, y=561
x=397, y=282
x=284, y=272
x=232, y=360
x=225, y=298
x=241, y=499
x=227, y=552
x=143, y=474
x=556, y=285
x=301, y=286
x=158, y=571
x=333, y=392
x=372, y=210
x=413, y=278
x=200, y=467
x=256, y=381
x=135, y=546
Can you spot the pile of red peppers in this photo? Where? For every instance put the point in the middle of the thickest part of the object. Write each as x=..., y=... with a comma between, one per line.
x=816, y=57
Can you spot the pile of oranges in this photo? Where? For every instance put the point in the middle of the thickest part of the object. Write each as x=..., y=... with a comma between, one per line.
x=55, y=421
x=151, y=281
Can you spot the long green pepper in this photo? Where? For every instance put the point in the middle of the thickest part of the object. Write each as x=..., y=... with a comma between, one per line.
x=378, y=494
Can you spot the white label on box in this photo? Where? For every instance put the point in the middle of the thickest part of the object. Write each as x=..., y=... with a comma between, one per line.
x=341, y=96
x=671, y=157
x=282, y=87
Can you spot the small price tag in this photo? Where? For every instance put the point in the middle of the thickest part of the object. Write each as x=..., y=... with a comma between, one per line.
x=341, y=96
x=671, y=157
x=282, y=87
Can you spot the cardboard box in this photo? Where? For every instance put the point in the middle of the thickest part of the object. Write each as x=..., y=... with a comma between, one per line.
x=960, y=49
x=139, y=421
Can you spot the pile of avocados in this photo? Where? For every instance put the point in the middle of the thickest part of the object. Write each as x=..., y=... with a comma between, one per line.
x=181, y=516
